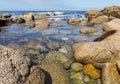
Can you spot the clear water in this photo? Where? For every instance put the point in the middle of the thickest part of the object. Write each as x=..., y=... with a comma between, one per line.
x=57, y=31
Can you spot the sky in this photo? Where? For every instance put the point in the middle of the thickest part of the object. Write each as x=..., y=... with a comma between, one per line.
x=56, y=4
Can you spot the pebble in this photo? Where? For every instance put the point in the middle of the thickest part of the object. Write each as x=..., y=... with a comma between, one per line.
x=63, y=50
x=76, y=67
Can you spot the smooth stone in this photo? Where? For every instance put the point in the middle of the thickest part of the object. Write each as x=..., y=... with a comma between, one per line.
x=91, y=71
x=86, y=79
x=65, y=38
x=76, y=67
x=63, y=50
x=88, y=30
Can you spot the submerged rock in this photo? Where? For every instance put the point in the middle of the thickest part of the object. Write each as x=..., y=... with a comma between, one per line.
x=76, y=67
x=88, y=30
x=91, y=71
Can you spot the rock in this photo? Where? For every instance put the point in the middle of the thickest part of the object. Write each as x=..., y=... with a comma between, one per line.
x=110, y=74
x=58, y=19
x=73, y=21
x=63, y=50
x=36, y=76
x=42, y=24
x=28, y=17
x=112, y=11
x=112, y=25
x=88, y=30
x=5, y=22
x=18, y=20
x=50, y=21
x=91, y=71
x=13, y=66
x=65, y=38
x=39, y=16
x=53, y=45
x=31, y=25
x=92, y=14
x=76, y=67
x=99, y=20
x=50, y=31
x=77, y=78
x=86, y=79
x=51, y=13
x=99, y=52
x=6, y=15
x=57, y=74
x=83, y=22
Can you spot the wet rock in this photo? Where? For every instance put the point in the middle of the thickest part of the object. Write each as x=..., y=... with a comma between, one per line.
x=83, y=22
x=110, y=74
x=6, y=15
x=77, y=78
x=50, y=21
x=73, y=21
x=50, y=31
x=51, y=13
x=31, y=25
x=63, y=50
x=5, y=22
x=39, y=16
x=55, y=70
x=112, y=11
x=99, y=20
x=53, y=45
x=76, y=67
x=58, y=19
x=18, y=20
x=92, y=14
x=86, y=79
x=28, y=17
x=88, y=30
x=13, y=66
x=42, y=24
x=91, y=71
x=36, y=76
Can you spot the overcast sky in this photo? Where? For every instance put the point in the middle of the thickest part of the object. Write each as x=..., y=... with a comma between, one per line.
x=55, y=4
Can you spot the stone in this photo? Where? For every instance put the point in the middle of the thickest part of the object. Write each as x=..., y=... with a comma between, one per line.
x=112, y=11
x=83, y=22
x=39, y=16
x=86, y=79
x=91, y=71
x=112, y=25
x=28, y=17
x=73, y=21
x=31, y=25
x=53, y=45
x=76, y=67
x=110, y=74
x=36, y=76
x=13, y=66
x=18, y=20
x=51, y=13
x=49, y=31
x=6, y=15
x=88, y=30
x=92, y=14
x=63, y=50
x=99, y=19
x=77, y=78
x=42, y=24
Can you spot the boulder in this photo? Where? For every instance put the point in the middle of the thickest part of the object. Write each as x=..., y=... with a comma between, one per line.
x=83, y=22
x=112, y=25
x=28, y=17
x=5, y=22
x=73, y=21
x=44, y=23
x=14, y=67
x=92, y=14
x=6, y=15
x=39, y=16
x=36, y=76
x=99, y=19
x=18, y=20
x=110, y=74
x=112, y=11
x=88, y=30
x=51, y=13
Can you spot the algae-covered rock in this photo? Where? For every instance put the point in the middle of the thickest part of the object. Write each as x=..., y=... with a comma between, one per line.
x=76, y=67
x=91, y=71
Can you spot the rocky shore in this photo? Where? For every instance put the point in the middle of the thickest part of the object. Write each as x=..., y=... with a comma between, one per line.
x=43, y=61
